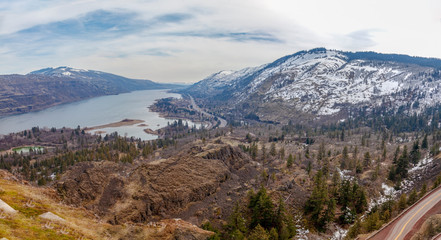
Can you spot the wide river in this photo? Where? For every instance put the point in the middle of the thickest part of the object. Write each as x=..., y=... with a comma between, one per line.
x=97, y=111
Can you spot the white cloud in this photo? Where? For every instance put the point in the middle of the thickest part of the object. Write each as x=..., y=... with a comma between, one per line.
x=211, y=36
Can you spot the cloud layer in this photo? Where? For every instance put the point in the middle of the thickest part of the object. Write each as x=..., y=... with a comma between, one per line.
x=184, y=41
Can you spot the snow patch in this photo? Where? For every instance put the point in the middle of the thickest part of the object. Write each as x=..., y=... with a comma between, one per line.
x=422, y=164
x=388, y=194
x=339, y=234
x=302, y=233
x=344, y=174
x=387, y=190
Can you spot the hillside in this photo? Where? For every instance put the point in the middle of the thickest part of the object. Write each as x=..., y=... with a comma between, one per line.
x=52, y=86
x=291, y=180
x=324, y=84
x=37, y=213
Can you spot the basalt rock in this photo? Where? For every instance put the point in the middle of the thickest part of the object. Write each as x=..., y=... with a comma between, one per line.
x=154, y=190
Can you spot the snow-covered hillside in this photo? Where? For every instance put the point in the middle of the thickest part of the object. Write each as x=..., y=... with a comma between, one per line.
x=324, y=82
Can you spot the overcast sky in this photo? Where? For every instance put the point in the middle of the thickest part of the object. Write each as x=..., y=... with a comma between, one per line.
x=184, y=41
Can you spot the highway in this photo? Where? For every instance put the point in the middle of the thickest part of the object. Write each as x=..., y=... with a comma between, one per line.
x=223, y=122
x=398, y=229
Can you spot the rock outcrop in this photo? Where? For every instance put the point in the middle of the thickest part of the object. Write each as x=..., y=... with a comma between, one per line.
x=158, y=189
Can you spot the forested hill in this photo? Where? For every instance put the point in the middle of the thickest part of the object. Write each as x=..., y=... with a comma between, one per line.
x=52, y=86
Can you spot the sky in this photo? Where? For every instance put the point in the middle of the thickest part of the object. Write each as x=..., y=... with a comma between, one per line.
x=185, y=41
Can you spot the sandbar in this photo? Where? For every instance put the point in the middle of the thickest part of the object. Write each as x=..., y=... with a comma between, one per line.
x=125, y=122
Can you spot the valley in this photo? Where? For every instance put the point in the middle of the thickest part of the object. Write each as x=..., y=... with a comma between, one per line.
x=97, y=112
x=50, y=87
x=342, y=161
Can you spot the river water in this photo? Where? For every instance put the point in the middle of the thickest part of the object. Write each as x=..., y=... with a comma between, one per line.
x=97, y=111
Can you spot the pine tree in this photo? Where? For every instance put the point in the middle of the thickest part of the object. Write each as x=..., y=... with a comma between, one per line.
x=397, y=152
x=402, y=164
x=402, y=202
x=423, y=190
x=262, y=209
x=354, y=230
x=258, y=233
x=424, y=143
x=236, y=223
x=318, y=202
x=345, y=159
x=273, y=235
x=289, y=161
x=413, y=197
x=322, y=151
x=282, y=153
x=373, y=221
x=415, y=154
x=273, y=151
x=263, y=153
x=367, y=160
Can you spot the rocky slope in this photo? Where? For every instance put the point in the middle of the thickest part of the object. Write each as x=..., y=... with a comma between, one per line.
x=52, y=86
x=323, y=82
x=183, y=186
x=33, y=205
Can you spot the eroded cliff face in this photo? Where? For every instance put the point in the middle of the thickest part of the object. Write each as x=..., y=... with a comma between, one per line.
x=189, y=185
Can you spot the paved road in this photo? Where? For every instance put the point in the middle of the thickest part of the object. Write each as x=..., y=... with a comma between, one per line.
x=404, y=224
x=223, y=122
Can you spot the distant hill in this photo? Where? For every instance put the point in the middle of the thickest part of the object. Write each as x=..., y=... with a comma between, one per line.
x=324, y=84
x=52, y=86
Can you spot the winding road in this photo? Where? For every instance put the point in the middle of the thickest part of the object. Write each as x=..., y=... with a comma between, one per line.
x=223, y=122
x=404, y=224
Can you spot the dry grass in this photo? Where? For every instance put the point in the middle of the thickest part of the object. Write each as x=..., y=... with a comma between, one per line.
x=30, y=202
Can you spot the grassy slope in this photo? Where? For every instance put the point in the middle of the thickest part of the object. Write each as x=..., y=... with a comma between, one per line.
x=31, y=202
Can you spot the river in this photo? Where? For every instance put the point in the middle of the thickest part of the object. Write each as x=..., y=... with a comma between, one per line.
x=96, y=111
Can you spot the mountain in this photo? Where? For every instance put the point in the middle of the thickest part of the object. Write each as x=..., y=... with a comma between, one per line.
x=321, y=83
x=111, y=81
x=52, y=86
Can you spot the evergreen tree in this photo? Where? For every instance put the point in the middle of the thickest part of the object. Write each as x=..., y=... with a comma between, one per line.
x=273, y=235
x=322, y=151
x=424, y=143
x=415, y=154
x=344, y=161
x=273, y=150
x=423, y=190
x=289, y=161
x=402, y=164
x=258, y=233
x=413, y=197
x=396, y=154
x=262, y=209
x=367, y=160
x=354, y=230
x=318, y=203
x=236, y=225
x=402, y=202
x=282, y=153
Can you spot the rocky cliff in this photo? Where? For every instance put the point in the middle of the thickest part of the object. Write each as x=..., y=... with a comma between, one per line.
x=163, y=188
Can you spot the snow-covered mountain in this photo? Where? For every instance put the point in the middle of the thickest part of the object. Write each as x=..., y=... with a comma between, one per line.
x=325, y=82
x=62, y=71
x=108, y=80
